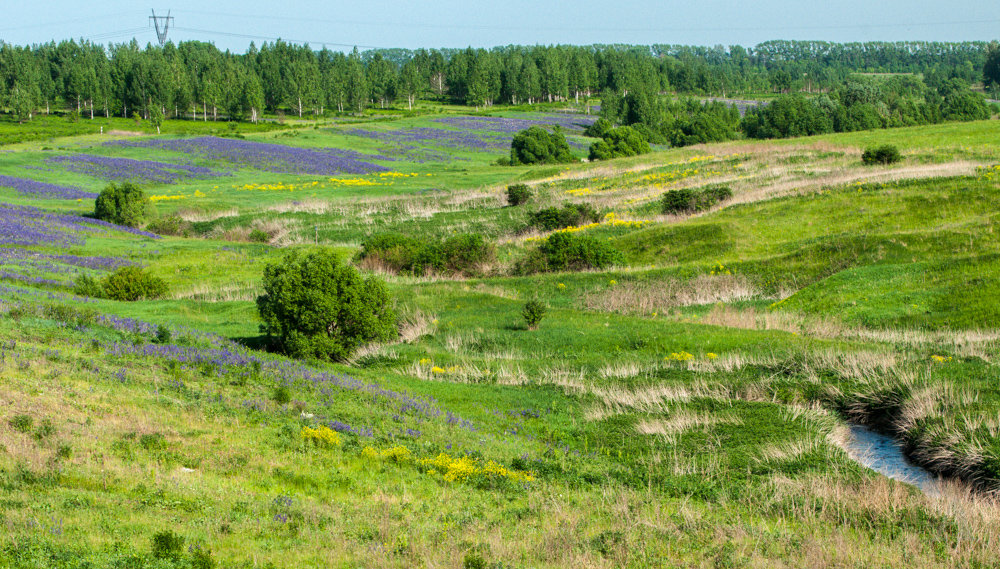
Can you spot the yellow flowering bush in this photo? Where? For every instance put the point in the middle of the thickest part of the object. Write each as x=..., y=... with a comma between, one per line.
x=940, y=359
x=468, y=469
x=681, y=356
x=321, y=436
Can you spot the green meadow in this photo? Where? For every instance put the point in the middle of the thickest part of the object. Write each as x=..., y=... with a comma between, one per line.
x=689, y=407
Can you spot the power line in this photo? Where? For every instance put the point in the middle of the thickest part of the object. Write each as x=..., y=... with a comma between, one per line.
x=268, y=38
x=590, y=29
x=64, y=22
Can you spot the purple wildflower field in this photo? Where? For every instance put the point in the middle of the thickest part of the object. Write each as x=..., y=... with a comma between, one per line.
x=27, y=226
x=128, y=169
x=27, y=187
x=465, y=141
x=569, y=122
x=277, y=158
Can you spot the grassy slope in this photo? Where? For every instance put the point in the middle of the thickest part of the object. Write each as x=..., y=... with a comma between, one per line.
x=641, y=456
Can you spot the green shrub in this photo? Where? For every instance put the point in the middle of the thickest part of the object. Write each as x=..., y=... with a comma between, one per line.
x=533, y=312
x=458, y=254
x=569, y=252
x=167, y=545
x=619, y=143
x=124, y=204
x=318, y=307
x=86, y=285
x=259, y=236
x=688, y=200
x=163, y=335
x=885, y=154
x=600, y=127
x=172, y=225
x=518, y=194
x=281, y=395
x=535, y=145
x=21, y=423
x=133, y=283
x=45, y=430
x=569, y=215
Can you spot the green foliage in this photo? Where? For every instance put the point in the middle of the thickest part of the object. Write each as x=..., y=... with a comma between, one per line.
x=133, y=283
x=884, y=154
x=459, y=254
x=785, y=116
x=21, y=423
x=86, y=285
x=569, y=215
x=570, y=252
x=618, y=143
x=163, y=335
x=317, y=306
x=282, y=395
x=599, y=128
x=171, y=225
x=124, y=204
x=533, y=312
x=167, y=545
x=991, y=68
x=259, y=236
x=535, y=145
x=690, y=200
x=518, y=194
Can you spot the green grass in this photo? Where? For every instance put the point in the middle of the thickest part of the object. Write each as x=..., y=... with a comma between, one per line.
x=687, y=409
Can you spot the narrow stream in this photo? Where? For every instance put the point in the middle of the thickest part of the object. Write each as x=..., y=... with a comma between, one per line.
x=884, y=455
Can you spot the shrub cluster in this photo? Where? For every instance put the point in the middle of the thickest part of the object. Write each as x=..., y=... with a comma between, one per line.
x=688, y=200
x=124, y=204
x=518, y=194
x=172, y=225
x=570, y=252
x=619, y=143
x=464, y=254
x=316, y=306
x=125, y=284
x=535, y=145
x=569, y=215
x=885, y=154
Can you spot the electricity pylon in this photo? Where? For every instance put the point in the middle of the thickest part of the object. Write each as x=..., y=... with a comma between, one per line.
x=167, y=20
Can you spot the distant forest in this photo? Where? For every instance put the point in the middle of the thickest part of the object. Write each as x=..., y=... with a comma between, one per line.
x=197, y=80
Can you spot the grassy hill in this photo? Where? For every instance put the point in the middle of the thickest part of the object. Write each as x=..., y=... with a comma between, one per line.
x=688, y=408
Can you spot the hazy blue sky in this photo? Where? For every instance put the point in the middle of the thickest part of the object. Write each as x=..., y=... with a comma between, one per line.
x=232, y=24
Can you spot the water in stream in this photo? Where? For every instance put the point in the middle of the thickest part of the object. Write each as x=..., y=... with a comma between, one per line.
x=884, y=455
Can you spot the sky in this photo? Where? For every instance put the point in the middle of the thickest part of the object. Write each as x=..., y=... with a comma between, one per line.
x=233, y=24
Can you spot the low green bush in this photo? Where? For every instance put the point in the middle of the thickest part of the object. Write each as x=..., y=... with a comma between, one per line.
x=535, y=145
x=460, y=254
x=619, y=142
x=518, y=194
x=533, y=312
x=569, y=252
x=133, y=283
x=569, y=215
x=884, y=154
x=172, y=225
x=600, y=127
x=86, y=285
x=259, y=236
x=690, y=200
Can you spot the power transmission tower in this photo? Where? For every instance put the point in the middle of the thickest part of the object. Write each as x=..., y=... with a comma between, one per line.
x=167, y=20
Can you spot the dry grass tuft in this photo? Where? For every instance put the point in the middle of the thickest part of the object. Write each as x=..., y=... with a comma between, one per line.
x=648, y=297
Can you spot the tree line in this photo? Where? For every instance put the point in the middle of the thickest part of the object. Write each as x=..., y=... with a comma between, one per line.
x=197, y=80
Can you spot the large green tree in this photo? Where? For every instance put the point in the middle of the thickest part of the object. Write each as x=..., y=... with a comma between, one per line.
x=318, y=307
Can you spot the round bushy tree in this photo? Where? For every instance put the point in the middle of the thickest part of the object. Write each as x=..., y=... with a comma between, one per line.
x=318, y=307
x=535, y=145
x=124, y=204
x=132, y=283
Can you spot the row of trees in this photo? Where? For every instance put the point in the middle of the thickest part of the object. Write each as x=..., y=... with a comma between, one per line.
x=196, y=79
x=860, y=103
